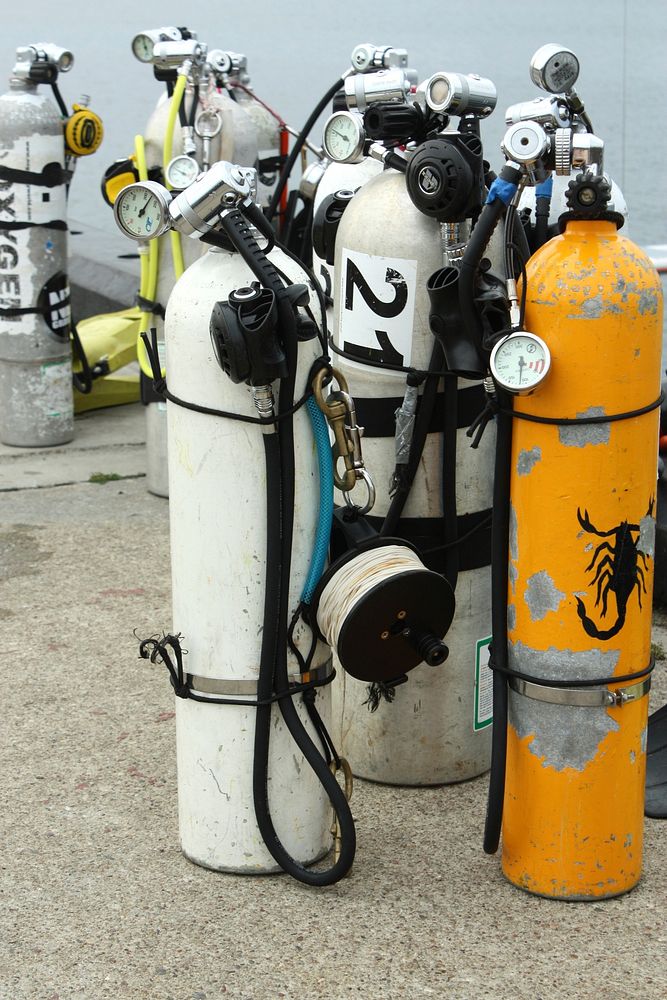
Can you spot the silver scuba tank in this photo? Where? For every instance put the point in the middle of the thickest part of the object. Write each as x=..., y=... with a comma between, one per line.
x=36, y=403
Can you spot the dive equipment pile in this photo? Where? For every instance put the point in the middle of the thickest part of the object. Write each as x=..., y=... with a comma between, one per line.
x=433, y=523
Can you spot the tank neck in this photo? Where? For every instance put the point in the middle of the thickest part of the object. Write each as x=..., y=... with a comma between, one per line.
x=19, y=85
x=591, y=226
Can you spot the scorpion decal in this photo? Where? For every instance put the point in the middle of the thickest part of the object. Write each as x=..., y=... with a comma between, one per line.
x=617, y=569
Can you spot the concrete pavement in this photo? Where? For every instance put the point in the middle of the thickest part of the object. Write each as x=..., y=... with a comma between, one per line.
x=96, y=900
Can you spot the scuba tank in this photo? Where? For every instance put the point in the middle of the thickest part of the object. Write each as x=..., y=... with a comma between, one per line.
x=236, y=569
x=576, y=517
x=249, y=545
x=393, y=237
x=35, y=319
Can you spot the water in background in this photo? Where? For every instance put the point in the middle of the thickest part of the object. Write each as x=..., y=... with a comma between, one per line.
x=297, y=49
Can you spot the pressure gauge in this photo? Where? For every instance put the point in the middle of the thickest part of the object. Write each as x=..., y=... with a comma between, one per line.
x=520, y=362
x=344, y=137
x=181, y=172
x=142, y=47
x=142, y=210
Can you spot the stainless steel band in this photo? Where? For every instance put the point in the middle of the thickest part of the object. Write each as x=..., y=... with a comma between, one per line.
x=248, y=688
x=593, y=697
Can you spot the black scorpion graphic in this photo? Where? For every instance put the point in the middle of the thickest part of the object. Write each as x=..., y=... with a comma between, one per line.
x=617, y=569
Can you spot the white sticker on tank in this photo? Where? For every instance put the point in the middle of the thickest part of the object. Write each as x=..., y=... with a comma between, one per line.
x=483, y=686
x=376, y=309
x=57, y=387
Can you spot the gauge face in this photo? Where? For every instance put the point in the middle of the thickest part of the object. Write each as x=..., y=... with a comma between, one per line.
x=142, y=210
x=520, y=362
x=142, y=47
x=344, y=137
x=181, y=172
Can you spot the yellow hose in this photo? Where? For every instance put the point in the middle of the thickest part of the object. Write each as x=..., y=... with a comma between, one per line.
x=149, y=267
x=167, y=154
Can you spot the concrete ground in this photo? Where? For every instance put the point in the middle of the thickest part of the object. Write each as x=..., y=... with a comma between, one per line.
x=96, y=899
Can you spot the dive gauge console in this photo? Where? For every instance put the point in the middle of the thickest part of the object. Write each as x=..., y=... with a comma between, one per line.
x=344, y=137
x=520, y=363
x=142, y=210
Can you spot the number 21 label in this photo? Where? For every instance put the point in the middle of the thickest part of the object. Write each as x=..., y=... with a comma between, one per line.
x=376, y=309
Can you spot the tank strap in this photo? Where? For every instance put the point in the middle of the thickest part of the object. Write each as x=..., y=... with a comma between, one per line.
x=569, y=683
x=54, y=224
x=492, y=407
x=593, y=697
x=377, y=415
x=598, y=419
x=473, y=531
x=160, y=387
x=168, y=648
x=51, y=175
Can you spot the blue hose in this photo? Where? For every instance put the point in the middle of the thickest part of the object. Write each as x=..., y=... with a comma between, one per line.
x=325, y=462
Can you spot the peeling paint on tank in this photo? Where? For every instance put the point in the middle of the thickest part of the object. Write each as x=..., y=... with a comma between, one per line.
x=513, y=573
x=642, y=739
x=648, y=302
x=594, y=308
x=562, y=735
x=511, y=617
x=646, y=541
x=528, y=460
x=542, y=595
x=579, y=435
x=514, y=533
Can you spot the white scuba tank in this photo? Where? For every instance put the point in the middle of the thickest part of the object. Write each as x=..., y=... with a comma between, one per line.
x=217, y=488
x=437, y=730
x=36, y=402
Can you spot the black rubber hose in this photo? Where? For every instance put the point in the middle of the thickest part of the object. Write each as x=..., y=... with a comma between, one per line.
x=542, y=206
x=474, y=252
x=273, y=669
x=296, y=148
x=279, y=451
x=82, y=382
x=499, y=575
x=448, y=483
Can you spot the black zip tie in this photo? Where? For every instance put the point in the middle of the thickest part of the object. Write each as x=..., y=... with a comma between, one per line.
x=576, y=683
x=154, y=649
x=148, y=306
x=602, y=419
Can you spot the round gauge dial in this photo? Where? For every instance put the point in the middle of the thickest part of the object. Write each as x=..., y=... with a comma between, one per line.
x=520, y=362
x=344, y=137
x=142, y=210
x=142, y=48
x=181, y=172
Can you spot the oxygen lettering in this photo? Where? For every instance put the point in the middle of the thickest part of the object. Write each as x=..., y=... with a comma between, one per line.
x=8, y=257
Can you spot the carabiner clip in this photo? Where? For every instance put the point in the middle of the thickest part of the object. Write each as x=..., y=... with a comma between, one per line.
x=343, y=766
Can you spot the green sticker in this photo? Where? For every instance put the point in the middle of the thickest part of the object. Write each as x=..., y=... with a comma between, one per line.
x=483, y=686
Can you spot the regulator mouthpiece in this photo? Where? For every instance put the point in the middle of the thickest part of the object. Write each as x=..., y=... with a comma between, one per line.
x=366, y=58
x=457, y=94
x=554, y=68
x=243, y=334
